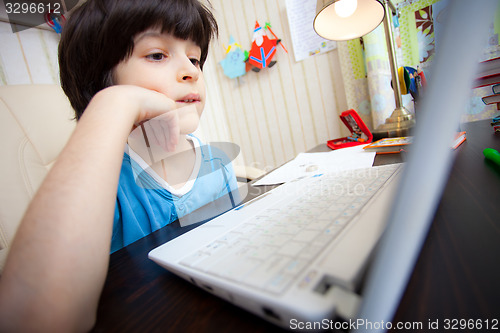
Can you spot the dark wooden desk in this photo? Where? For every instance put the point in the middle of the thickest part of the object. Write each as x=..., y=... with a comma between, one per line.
x=457, y=275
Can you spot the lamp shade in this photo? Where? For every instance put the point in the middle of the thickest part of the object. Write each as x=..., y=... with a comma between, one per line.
x=334, y=23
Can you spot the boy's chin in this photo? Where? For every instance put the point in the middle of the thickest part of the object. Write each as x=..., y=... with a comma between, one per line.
x=189, y=119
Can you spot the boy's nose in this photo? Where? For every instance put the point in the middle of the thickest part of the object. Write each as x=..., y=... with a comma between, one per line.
x=188, y=72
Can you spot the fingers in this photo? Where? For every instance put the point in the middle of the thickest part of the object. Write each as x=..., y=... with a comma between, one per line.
x=165, y=129
x=171, y=131
x=153, y=104
x=157, y=123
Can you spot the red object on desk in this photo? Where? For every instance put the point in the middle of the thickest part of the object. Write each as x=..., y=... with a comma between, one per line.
x=356, y=126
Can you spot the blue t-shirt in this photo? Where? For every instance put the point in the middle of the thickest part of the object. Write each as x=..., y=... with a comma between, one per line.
x=144, y=206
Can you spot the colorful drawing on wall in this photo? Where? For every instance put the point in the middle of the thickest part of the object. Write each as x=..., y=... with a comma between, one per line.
x=234, y=64
x=263, y=48
x=425, y=33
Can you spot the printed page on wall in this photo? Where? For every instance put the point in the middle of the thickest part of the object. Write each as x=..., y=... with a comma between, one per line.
x=306, y=42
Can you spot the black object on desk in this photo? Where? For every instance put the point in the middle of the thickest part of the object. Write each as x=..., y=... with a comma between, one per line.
x=456, y=277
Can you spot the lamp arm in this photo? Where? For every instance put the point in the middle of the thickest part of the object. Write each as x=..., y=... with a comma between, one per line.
x=393, y=8
x=392, y=52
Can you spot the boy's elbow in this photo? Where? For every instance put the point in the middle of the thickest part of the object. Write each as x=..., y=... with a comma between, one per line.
x=83, y=324
x=46, y=320
x=78, y=320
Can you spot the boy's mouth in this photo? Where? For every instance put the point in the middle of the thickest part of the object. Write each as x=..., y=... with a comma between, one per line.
x=191, y=98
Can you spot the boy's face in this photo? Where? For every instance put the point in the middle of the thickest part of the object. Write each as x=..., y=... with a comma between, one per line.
x=166, y=64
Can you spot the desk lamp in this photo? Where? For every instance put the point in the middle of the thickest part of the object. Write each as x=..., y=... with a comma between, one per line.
x=349, y=19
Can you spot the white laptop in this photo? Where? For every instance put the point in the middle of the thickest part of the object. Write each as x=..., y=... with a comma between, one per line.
x=298, y=254
x=291, y=252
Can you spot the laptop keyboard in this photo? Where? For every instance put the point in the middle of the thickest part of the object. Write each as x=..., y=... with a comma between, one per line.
x=269, y=250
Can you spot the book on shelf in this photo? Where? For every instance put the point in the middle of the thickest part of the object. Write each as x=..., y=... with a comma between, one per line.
x=496, y=88
x=486, y=81
x=488, y=73
x=489, y=67
x=399, y=144
x=491, y=99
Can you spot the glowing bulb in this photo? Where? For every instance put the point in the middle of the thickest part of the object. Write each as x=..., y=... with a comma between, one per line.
x=345, y=8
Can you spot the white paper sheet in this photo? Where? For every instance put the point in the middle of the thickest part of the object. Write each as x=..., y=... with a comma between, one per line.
x=306, y=42
x=310, y=164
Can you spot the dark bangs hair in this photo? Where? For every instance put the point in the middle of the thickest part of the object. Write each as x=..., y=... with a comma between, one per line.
x=100, y=34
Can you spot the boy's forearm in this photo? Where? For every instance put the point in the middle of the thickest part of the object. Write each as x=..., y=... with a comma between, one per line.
x=59, y=258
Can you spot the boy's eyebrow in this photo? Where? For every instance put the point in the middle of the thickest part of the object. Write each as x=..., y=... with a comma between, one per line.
x=153, y=34
x=148, y=33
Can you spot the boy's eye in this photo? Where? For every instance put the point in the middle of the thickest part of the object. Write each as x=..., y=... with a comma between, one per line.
x=195, y=62
x=156, y=56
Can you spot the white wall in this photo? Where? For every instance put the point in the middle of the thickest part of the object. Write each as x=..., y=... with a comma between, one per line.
x=281, y=111
x=28, y=57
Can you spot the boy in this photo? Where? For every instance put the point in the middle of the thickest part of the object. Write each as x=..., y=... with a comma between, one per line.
x=160, y=46
x=59, y=258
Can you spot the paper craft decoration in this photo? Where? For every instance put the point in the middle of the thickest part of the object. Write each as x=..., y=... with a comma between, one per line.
x=263, y=48
x=234, y=64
